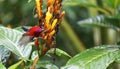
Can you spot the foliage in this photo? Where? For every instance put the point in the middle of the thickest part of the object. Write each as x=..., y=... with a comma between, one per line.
x=4, y=54
x=2, y=66
x=12, y=36
x=112, y=20
x=99, y=58
x=9, y=38
x=101, y=21
x=108, y=19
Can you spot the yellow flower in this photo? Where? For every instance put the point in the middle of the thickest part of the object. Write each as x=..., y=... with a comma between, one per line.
x=39, y=8
x=51, y=20
x=54, y=24
x=47, y=19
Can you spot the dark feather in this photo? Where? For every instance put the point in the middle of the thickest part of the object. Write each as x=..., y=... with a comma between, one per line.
x=25, y=39
x=25, y=28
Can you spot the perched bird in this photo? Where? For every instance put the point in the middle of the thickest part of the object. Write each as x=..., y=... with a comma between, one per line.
x=27, y=37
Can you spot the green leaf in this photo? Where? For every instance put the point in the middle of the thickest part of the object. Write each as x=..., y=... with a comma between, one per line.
x=84, y=4
x=47, y=66
x=29, y=1
x=112, y=3
x=78, y=2
x=117, y=16
x=10, y=38
x=14, y=66
x=113, y=20
x=100, y=21
x=2, y=66
x=59, y=52
x=95, y=58
x=47, y=60
x=19, y=29
x=116, y=3
x=4, y=54
x=109, y=3
x=118, y=58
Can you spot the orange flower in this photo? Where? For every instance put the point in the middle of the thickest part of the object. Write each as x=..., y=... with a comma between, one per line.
x=50, y=21
x=39, y=8
x=47, y=28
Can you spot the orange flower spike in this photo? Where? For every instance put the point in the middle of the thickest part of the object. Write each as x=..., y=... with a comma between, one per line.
x=62, y=14
x=54, y=24
x=36, y=42
x=38, y=7
x=45, y=37
x=60, y=17
x=48, y=13
x=52, y=33
x=57, y=11
x=41, y=8
x=55, y=2
x=51, y=9
x=53, y=43
x=50, y=5
x=44, y=50
x=34, y=63
x=49, y=2
x=57, y=7
x=47, y=19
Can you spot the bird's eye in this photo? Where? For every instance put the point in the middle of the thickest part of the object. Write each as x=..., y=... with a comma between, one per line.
x=40, y=30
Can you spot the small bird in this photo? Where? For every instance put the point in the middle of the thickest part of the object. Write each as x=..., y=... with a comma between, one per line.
x=27, y=37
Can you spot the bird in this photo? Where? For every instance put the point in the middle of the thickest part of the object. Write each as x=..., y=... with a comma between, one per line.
x=30, y=34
